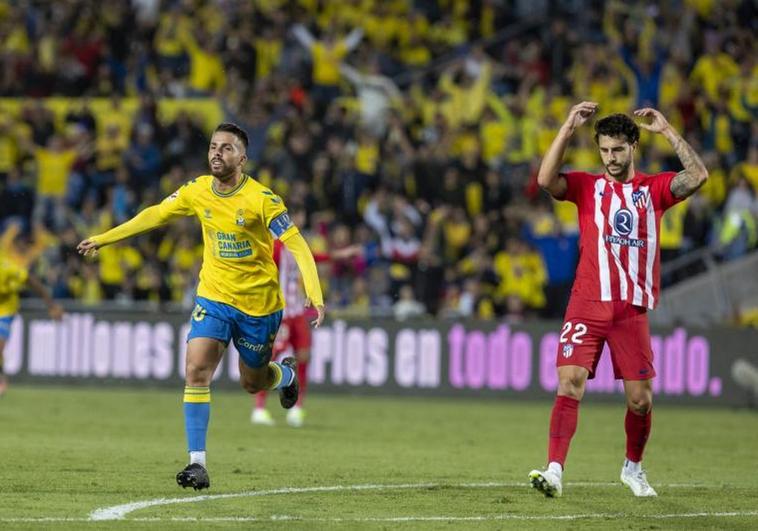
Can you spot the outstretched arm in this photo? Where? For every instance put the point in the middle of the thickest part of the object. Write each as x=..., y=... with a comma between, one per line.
x=694, y=174
x=297, y=245
x=145, y=221
x=548, y=177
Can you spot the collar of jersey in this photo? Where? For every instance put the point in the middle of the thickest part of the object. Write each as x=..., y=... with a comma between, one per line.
x=233, y=190
x=638, y=176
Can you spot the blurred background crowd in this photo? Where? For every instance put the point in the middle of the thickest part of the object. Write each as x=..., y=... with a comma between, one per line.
x=404, y=134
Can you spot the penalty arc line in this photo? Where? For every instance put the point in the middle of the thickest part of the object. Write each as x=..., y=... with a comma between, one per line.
x=119, y=512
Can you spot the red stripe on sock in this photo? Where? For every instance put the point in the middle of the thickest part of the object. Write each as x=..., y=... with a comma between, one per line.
x=637, y=432
x=562, y=427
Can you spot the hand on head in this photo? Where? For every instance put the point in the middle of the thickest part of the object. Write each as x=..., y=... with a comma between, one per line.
x=580, y=113
x=658, y=122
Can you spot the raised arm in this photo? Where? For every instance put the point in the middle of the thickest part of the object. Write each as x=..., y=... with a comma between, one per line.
x=694, y=174
x=548, y=177
x=353, y=38
x=303, y=36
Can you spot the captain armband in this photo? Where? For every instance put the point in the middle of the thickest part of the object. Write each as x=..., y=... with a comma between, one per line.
x=280, y=224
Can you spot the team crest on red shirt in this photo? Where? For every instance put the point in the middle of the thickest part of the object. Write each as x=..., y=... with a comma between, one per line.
x=568, y=350
x=640, y=198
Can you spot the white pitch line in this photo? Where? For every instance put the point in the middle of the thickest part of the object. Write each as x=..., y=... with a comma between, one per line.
x=402, y=519
x=118, y=512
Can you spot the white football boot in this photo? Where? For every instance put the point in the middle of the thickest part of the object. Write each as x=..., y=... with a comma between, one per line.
x=634, y=477
x=548, y=482
x=262, y=417
x=296, y=417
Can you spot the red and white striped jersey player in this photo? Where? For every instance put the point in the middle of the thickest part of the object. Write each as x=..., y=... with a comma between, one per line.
x=294, y=337
x=617, y=278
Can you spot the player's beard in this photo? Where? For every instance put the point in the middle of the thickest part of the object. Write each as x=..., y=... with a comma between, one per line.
x=224, y=171
x=620, y=171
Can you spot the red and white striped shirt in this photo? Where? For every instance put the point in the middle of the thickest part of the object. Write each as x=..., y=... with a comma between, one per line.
x=619, y=227
x=289, y=281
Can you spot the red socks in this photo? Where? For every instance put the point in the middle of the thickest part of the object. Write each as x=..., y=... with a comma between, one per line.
x=562, y=427
x=637, y=431
x=260, y=399
x=302, y=380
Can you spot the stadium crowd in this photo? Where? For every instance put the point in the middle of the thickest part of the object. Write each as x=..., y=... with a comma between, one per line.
x=408, y=133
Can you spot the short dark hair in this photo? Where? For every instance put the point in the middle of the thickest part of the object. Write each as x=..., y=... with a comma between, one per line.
x=234, y=129
x=617, y=125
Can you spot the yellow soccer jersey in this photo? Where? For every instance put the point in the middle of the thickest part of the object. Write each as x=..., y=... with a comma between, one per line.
x=238, y=266
x=12, y=280
x=14, y=271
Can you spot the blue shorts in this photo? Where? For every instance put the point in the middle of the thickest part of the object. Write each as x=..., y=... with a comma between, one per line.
x=253, y=336
x=5, y=327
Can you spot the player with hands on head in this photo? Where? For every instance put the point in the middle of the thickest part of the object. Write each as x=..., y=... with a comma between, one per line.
x=238, y=296
x=617, y=278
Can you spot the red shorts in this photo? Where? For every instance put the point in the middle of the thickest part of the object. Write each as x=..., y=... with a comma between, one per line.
x=293, y=332
x=589, y=324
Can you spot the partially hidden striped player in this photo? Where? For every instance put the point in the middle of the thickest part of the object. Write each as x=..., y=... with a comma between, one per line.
x=17, y=254
x=238, y=296
x=617, y=278
x=294, y=336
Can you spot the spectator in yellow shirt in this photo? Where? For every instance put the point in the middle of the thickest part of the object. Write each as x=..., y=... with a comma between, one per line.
x=749, y=168
x=713, y=68
x=522, y=274
x=109, y=157
x=168, y=41
x=54, y=164
x=268, y=52
x=327, y=55
x=207, y=74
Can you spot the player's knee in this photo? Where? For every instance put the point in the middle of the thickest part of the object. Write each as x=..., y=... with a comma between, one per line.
x=197, y=375
x=571, y=386
x=640, y=404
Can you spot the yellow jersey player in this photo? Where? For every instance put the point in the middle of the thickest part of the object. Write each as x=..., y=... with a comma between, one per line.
x=17, y=254
x=238, y=297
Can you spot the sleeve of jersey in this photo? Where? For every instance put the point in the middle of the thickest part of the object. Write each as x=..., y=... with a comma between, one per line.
x=662, y=197
x=150, y=218
x=574, y=183
x=275, y=215
x=307, y=265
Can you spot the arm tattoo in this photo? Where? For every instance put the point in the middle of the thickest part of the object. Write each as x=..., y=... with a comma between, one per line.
x=694, y=174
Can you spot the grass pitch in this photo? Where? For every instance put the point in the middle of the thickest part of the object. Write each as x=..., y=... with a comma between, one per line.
x=361, y=463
